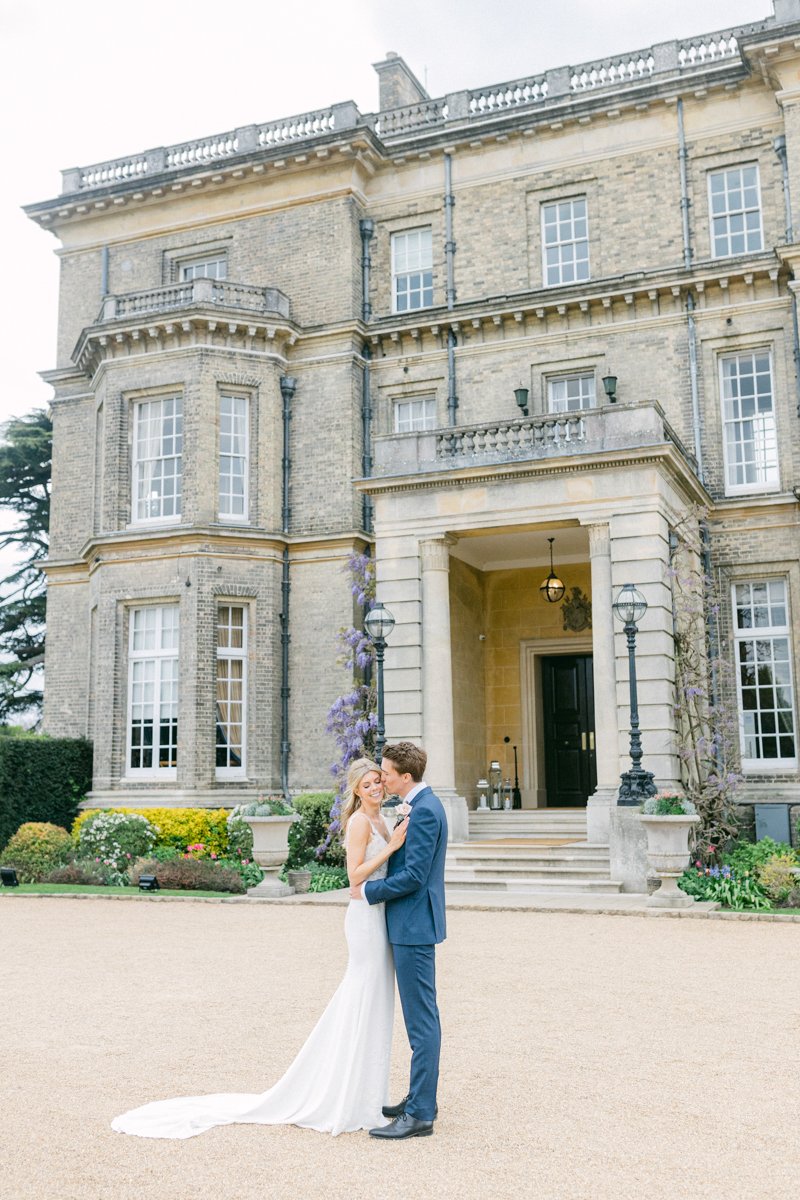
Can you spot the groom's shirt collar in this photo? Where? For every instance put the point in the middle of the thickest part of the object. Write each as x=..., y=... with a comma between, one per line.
x=411, y=796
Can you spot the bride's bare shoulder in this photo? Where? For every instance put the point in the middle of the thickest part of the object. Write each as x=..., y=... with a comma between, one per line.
x=358, y=821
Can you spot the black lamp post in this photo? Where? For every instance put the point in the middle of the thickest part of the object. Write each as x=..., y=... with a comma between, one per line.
x=637, y=784
x=379, y=623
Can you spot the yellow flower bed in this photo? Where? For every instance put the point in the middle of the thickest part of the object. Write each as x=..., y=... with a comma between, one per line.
x=179, y=827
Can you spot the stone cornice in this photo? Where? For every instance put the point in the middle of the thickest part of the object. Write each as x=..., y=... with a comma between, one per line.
x=202, y=541
x=664, y=454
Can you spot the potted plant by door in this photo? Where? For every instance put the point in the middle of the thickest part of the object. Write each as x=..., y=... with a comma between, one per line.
x=668, y=818
x=269, y=821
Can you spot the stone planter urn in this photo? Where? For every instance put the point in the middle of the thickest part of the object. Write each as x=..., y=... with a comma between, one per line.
x=299, y=880
x=668, y=856
x=270, y=850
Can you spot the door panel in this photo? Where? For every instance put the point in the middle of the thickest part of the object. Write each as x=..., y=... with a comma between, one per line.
x=568, y=706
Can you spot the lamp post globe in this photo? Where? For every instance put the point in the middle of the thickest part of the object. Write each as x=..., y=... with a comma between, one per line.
x=379, y=623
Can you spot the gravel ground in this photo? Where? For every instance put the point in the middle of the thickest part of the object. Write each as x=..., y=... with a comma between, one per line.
x=584, y=1055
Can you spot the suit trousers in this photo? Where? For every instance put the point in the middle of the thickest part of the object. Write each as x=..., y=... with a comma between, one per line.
x=415, y=968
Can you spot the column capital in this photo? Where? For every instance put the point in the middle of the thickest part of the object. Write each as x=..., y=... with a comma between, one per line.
x=599, y=539
x=435, y=553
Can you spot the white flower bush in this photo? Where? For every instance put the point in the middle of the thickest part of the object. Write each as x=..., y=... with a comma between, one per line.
x=116, y=839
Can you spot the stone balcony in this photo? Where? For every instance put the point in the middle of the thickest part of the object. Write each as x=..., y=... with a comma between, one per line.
x=239, y=297
x=600, y=431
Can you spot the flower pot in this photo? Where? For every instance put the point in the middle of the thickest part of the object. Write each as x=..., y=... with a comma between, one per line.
x=668, y=856
x=299, y=880
x=270, y=850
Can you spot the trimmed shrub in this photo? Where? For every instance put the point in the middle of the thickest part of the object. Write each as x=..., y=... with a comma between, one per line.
x=777, y=877
x=240, y=837
x=749, y=856
x=42, y=779
x=178, y=827
x=36, y=849
x=193, y=874
x=77, y=872
x=307, y=835
x=116, y=839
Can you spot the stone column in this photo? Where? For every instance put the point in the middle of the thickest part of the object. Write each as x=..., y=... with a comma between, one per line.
x=605, y=688
x=437, y=682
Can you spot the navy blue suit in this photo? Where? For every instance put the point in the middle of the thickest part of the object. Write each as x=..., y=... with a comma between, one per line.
x=413, y=891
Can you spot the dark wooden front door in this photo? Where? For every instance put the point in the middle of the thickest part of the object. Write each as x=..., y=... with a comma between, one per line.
x=568, y=698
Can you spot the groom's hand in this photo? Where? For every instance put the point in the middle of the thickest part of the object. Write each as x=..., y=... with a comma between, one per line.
x=355, y=892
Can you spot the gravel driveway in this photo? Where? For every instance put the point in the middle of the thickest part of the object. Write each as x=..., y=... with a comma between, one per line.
x=584, y=1055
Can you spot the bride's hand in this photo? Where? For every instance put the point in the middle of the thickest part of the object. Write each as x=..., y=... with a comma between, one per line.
x=398, y=835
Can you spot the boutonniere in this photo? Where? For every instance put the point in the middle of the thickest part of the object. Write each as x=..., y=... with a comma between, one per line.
x=403, y=808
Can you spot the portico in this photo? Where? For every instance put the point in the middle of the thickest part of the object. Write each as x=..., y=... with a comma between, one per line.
x=478, y=655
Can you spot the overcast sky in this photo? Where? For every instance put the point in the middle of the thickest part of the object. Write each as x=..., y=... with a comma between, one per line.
x=91, y=80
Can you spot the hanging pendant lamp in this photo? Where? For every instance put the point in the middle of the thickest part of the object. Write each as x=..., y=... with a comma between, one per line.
x=552, y=589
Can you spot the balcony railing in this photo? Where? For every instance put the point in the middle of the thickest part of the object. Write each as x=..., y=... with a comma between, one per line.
x=219, y=293
x=698, y=56
x=524, y=439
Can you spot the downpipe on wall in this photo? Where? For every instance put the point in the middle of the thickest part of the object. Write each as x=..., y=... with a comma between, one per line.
x=288, y=385
x=449, y=258
x=367, y=229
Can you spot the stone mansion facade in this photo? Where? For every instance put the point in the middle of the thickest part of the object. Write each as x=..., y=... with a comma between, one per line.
x=563, y=307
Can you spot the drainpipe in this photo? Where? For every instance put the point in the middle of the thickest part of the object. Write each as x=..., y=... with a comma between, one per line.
x=367, y=228
x=366, y=438
x=288, y=385
x=683, y=159
x=449, y=255
x=104, y=271
x=698, y=442
x=779, y=146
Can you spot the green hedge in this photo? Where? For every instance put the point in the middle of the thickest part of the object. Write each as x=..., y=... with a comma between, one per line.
x=307, y=834
x=42, y=779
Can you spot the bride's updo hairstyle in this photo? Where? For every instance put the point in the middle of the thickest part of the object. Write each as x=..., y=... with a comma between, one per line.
x=352, y=801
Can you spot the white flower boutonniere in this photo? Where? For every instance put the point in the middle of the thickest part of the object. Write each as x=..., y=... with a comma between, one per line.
x=403, y=808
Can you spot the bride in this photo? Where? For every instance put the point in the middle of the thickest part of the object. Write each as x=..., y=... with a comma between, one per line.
x=339, y=1080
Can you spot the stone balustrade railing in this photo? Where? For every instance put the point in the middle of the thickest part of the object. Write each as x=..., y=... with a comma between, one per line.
x=690, y=56
x=239, y=296
x=611, y=428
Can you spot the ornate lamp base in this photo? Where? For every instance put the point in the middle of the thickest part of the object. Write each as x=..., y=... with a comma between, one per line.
x=637, y=784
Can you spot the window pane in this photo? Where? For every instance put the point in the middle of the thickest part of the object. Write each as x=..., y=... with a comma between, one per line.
x=157, y=458
x=153, y=696
x=233, y=455
x=231, y=686
x=750, y=434
x=766, y=696
x=412, y=269
x=565, y=241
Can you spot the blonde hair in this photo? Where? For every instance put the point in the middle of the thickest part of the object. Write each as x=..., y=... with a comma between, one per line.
x=352, y=801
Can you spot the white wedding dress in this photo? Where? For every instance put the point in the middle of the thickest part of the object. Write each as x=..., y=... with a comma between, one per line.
x=339, y=1080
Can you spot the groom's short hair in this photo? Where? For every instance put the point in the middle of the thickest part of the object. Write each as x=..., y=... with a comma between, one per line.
x=408, y=759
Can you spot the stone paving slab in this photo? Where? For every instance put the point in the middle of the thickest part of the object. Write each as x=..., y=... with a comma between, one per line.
x=584, y=1057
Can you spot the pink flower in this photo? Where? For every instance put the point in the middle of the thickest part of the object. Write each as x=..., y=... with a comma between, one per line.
x=403, y=808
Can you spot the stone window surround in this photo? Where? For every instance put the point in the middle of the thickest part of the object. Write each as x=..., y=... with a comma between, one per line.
x=130, y=400
x=225, y=773
x=756, y=573
x=411, y=399
x=137, y=774
x=393, y=393
x=394, y=235
x=710, y=351
x=543, y=372
x=172, y=259
x=705, y=163
x=558, y=283
x=718, y=169
x=752, y=346
x=244, y=393
x=538, y=194
x=428, y=213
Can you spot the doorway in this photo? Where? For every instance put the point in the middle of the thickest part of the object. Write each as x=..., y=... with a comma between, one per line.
x=568, y=719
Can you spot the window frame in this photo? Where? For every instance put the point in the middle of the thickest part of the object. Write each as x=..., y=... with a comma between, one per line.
x=198, y=260
x=394, y=242
x=746, y=489
x=137, y=406
x=239, y=654
x=556, y=203
x=411, y=401
x=244, y=517
x=722, y=170
x=762, y=766
x=566, y=377
x=159, y=656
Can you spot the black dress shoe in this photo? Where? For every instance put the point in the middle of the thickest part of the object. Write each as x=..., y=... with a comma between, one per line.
x=394, y=1110
x=403, y=1126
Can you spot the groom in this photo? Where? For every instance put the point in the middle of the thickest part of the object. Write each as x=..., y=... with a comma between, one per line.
x=414, y=894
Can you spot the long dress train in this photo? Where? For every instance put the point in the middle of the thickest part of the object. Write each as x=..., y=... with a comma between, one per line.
x=339, y=1080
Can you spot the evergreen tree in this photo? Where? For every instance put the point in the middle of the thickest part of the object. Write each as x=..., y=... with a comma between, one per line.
x=25, y=462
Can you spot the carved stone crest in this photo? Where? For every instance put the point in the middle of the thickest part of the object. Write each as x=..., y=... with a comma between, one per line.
x=577, y=612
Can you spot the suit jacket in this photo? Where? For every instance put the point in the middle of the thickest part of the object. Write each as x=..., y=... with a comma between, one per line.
x=413, y=889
